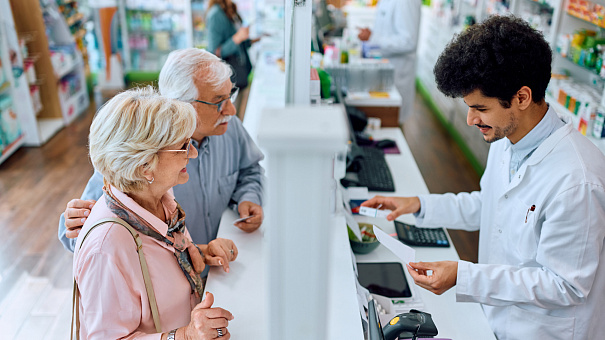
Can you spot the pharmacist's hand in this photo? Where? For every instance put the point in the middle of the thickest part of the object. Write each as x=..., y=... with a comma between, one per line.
x=364, y=33
x=398, y=205
x=76, y=213
x=443, y=277
x=206, y=321
x=242, y=34
x=220, y=252
x=247, y=208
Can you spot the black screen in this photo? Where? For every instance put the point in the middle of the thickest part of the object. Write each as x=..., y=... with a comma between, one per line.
x=375, y=328
x=384, y=278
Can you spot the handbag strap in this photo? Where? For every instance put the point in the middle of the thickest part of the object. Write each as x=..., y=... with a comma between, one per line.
x=75, y=315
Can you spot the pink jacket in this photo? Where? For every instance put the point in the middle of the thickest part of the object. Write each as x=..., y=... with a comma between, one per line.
x=113, y=299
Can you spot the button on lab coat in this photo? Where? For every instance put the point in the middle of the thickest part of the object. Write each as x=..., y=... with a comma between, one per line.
x=541, y=271
x=395, y=31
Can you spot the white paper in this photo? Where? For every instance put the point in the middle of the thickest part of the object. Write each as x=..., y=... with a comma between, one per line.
x=358, y=193
x=367, y=211
x=405, y=253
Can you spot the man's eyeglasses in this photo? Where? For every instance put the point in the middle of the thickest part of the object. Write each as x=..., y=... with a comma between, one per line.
x=221, y=105
x=185, y=148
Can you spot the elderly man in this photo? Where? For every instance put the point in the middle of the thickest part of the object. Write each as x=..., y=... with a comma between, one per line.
x=227, y=169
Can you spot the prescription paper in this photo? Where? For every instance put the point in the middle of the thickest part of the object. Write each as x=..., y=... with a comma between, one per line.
x=405, y=253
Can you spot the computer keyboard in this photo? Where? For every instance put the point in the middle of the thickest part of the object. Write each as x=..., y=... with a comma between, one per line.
x=370, y=170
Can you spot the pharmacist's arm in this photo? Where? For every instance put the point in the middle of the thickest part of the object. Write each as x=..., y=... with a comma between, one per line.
x=76, y=211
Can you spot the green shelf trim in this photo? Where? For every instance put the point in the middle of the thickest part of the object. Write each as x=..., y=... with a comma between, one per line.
x=142, y=76
x=450, y=128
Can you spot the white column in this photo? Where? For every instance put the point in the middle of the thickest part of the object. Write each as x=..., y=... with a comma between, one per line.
x=298, y=17
x=300, y=145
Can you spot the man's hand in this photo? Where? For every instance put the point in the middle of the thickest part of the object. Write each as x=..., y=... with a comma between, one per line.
x=444, y=276
x=398, y=205
x=364, y=33
x=247, y=208
x=75, y=215
x=219, y=252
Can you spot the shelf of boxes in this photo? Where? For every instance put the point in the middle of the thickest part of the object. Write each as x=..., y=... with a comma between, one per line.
x=151, y=30
x=588, y=11
x=11, y=134
x=565, y=113
x=11, y=148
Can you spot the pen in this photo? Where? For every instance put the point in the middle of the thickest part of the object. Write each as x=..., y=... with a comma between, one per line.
x=532, y=208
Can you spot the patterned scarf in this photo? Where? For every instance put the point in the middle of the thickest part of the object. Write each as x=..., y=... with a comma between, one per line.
x=188, y=255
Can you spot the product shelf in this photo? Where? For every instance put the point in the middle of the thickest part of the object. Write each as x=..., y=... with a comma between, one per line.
x=164, y=8
x=564, y=112
x=74, y=19
x=8, y=151
x=5, y=87
x=591, y=70
x=48, y=127
x=588, y=11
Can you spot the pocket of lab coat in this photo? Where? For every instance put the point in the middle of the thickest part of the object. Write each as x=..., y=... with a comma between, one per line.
x=522, y=234
x=526, y=324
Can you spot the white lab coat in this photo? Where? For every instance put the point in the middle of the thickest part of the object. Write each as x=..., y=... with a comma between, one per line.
x=395, y=31
x=541, y=273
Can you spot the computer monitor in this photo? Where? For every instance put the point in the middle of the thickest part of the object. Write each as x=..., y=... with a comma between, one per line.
x=374, y=326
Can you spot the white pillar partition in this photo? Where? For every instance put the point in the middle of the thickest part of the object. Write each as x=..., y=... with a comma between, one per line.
x=298, y=18
x=300, y=145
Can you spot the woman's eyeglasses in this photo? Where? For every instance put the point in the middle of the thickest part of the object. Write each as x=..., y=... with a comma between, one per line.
x=186, y=147
x=221, y=105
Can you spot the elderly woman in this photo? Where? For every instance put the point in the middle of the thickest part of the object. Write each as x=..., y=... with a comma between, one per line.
x=141, y=143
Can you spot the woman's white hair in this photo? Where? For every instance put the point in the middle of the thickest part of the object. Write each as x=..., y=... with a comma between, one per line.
x=128, y=131
x=183, y=66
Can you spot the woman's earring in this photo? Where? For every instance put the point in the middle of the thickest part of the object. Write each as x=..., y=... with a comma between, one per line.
x=152, y=179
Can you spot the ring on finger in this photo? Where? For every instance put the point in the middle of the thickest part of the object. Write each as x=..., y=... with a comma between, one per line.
x=231, y=251
x=219, y=331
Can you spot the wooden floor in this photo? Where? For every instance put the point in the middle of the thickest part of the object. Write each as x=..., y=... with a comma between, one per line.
x=36, y=184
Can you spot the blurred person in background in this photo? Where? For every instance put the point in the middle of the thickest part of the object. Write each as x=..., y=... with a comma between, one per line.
x=229, y=39
x=395, y=33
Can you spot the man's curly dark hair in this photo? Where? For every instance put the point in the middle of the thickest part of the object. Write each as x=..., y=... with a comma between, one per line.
x=497, y=57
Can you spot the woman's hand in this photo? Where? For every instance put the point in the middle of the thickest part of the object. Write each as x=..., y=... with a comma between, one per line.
x=206, y=322
x=219, y=252
x=398, y=205
x=242, y=34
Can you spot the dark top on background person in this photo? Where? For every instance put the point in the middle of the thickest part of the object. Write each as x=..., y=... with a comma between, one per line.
x=229, y=39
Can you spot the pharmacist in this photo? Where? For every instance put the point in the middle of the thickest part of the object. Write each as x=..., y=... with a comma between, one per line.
x=395, y=32
x=541, y=208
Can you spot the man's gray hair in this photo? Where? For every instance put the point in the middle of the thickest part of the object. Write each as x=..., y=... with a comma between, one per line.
x=183, y=66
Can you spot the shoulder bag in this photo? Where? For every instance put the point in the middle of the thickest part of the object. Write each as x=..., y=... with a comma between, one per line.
x=75, y=316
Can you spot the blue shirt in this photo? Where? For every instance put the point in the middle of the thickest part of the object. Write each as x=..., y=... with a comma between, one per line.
x=524, y=148
x=226, y=171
